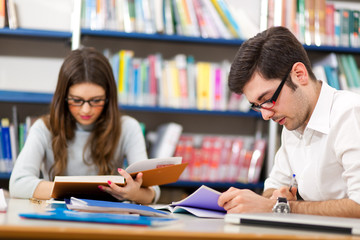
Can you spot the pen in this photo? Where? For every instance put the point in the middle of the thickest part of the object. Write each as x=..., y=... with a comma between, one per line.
x=293, y=182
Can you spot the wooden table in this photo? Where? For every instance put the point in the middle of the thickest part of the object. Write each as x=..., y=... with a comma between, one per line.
x=189, y=227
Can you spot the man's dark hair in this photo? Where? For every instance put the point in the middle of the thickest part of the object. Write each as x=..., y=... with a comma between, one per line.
x=271, y=54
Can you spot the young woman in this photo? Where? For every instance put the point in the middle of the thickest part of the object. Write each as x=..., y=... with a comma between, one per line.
x=84, y=134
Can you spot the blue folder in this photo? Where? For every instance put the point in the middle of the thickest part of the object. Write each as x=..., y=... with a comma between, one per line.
x=128, y=219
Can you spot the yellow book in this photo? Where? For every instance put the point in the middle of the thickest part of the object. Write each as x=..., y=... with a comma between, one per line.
x=225, y=18
x=203, y=85
x=125, y=57
x=175, y=95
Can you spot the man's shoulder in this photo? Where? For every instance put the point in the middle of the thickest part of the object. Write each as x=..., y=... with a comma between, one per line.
x=344, y=100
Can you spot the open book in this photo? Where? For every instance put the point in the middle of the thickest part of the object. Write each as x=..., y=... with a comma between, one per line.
x=87, y=205
x=201, y=203
x=156, y=171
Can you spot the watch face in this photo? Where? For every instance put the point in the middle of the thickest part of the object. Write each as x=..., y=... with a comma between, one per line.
x=282, y=208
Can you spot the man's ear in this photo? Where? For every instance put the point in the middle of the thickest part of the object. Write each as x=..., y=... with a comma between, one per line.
x=300, y=74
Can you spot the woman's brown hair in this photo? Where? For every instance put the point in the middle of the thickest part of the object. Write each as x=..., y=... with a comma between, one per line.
x=85, y=66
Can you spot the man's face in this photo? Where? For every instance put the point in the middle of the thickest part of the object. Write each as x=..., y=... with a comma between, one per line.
x=291, y=108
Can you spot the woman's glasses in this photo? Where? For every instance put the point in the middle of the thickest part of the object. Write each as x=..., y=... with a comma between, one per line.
x=78, y=102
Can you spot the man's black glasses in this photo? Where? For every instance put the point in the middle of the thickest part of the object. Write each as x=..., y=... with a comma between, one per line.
x=269, y=104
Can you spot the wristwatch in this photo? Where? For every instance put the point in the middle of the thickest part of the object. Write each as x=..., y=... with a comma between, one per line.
x=281, y=206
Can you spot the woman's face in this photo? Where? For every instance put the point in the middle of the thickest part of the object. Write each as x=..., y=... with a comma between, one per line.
x=86, y=102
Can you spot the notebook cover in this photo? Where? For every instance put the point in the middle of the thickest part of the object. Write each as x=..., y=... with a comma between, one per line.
x=128, y=219
x=162, y=175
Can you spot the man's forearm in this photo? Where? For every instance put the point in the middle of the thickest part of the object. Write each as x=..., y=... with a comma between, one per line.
x=338, y=208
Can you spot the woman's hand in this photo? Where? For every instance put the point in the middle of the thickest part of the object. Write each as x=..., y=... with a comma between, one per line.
x=132, y=190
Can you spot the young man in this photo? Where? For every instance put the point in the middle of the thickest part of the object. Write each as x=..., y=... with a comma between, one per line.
x=321, y=138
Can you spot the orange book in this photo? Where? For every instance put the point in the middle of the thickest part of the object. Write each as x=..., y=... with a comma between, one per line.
x=156, y=171
x=2, y=13
x=309, y=22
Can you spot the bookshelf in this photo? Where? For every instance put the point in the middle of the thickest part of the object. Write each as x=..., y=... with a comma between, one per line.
x=41, y=43
x=20, y=98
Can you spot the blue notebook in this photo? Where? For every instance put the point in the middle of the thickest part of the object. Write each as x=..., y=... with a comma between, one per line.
x=88, y=205
x=127, y=219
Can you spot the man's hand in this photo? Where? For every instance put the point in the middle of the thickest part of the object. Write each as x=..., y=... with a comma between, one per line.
x=284, y=192
x=244, y=201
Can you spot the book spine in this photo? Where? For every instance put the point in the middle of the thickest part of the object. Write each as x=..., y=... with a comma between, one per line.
x=2, y=13
x=6, y=144
x=227, y=18
x=344, y=27
x=329, y=24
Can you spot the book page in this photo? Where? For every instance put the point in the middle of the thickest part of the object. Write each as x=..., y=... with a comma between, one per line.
x=91, y=179
x=152, y=164
x=204, y=198
x=199, y=212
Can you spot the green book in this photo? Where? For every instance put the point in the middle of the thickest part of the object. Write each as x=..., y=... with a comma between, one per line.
x=353, y=69
x=347, y=71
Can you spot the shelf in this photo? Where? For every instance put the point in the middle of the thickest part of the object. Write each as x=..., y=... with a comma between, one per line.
x=217, y=185
x=31, y=97
x=4, y=176
x=157, y=37
x=179, y=38
x=160, y=37
x=22, y=32
x=25, y=97
x=191, y=111
x=332, y=49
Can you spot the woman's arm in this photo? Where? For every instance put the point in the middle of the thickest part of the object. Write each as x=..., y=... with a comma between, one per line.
x=25, y=176
x=43, y=190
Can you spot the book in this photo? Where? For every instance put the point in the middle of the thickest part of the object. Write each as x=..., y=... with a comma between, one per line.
x=6, y=144
x=157, y=171
x=62, y=214
x=201, y=203
x=329, y=24
x=88, y=205
x=215, y=17
x=223, y=10
x=11, y=13
x=2, y=13
x=167, y=137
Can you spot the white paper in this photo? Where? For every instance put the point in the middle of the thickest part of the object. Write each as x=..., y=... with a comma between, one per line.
x=152, y=163
x=3, y=204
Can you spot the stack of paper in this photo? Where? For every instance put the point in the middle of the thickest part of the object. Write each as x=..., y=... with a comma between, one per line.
x=88, y=205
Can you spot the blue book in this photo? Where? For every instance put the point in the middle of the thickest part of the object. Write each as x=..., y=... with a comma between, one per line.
x=224, y=7
x=128, y=219
x=331, y=76
x=89, y=205
x=6, y=144
x=115, y=61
